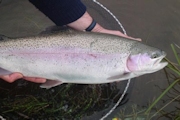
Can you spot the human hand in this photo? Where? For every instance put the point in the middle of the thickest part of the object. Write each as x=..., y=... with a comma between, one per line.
x=83, y=22
x=15, y=76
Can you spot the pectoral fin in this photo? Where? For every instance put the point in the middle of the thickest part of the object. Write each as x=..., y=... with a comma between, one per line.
x=4, y=72
x=126, y=76
x=50, y=83
x=122, y=77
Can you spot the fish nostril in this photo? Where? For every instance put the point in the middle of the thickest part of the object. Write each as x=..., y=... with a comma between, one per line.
x=163, y=53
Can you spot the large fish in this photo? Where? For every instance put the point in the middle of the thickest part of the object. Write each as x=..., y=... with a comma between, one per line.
x=71, y=56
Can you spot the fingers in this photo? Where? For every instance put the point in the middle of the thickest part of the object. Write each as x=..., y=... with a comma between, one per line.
x=35, y=80
x=118, y=33
x=15, y=76
x=99, y=28
x=12, y=77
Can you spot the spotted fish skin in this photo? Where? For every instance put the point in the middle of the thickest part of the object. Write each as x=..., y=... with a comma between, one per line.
x=71, y=56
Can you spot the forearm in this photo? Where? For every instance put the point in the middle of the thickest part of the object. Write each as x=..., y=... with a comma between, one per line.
x=67, y=12
x=83, y=23
x=61, y=12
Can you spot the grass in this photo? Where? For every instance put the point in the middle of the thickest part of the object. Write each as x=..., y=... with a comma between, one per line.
x=68, y=101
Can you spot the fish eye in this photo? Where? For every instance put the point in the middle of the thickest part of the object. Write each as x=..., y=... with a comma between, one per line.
x=154, y=55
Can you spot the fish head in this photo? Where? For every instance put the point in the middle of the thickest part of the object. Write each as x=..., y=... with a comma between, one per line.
x=145, y=59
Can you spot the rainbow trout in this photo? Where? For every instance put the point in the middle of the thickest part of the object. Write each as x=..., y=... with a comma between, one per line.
x=71, y=56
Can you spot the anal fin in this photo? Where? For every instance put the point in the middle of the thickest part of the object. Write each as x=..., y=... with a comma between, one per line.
x=51, y=83
x=4, y=72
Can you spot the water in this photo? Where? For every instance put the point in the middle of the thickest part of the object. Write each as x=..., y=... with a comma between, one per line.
x=155, y=22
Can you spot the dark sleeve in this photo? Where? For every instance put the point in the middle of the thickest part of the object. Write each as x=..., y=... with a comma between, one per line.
x=61, y=12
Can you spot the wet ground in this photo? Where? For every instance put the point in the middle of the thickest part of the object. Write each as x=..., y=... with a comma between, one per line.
x=157, y=23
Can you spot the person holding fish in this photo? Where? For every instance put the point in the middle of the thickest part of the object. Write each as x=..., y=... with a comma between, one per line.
x=65, y=12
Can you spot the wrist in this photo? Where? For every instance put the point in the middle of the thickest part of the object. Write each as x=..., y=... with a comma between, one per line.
x=82, y=23
x=91, y=26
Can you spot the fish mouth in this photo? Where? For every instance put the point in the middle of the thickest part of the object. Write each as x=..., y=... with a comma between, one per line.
x=159, y=62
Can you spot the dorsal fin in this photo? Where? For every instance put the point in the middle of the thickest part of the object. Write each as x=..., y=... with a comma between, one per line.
x=2, y=37
x=55, y=29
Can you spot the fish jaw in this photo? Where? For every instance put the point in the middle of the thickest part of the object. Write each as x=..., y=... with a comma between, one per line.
x=144, y=63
